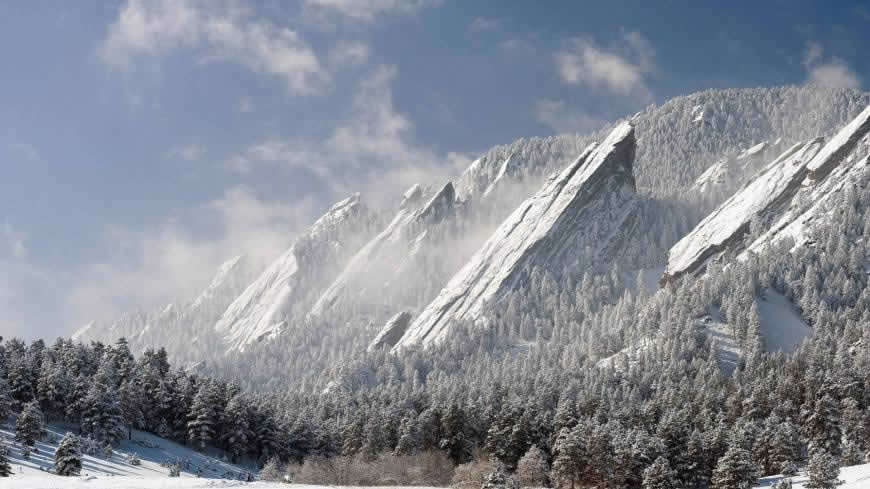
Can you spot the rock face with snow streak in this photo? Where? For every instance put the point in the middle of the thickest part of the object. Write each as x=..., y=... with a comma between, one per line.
x=262, y=309
x=392, y=331
x=727, y=225
x=589, y=204
x=376, y=268
x=769, y=199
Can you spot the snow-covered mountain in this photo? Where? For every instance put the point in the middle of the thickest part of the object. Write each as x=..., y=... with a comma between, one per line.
x=263, y=308
x=382, y=263
x=804, y=175
x=397, y=260
x=589, y=204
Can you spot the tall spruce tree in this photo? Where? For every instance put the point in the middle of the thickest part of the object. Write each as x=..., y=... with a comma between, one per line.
x=734, y=470
x=5, y=467
x=68, y=456
x=28, y=426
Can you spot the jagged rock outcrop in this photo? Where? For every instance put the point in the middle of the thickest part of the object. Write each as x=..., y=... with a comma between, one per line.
x=313, y=259
x=392, y=331
x=377, y=268
x=768, y=199
x=587, y=207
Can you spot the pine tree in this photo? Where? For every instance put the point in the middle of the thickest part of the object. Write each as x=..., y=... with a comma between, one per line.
x=68, y=456
x=734, y=470
x=532, y=470
x=659, y=475
x=101, y=416
x=823, y=471
x=820, y=424
x=203, y=419
x=6, y=402
x=5, y=468
x=28, y=426
x=236, y=433
x=131, y=403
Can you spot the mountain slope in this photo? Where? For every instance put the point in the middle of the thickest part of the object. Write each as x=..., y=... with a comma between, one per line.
x=262, y=309
x=801, y=171
x=380, y=264
x=594, y=195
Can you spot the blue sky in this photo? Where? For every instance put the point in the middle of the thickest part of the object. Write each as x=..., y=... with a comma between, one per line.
x=144, y=142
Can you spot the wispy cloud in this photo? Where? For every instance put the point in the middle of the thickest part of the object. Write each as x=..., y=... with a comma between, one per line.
x=220, y=31
x=368, y=10
x=621, y=68
x=557, y=115
x=831, y=72
x=149, y=267
x=371, y=150
x=14, y=242
x=187, y=152
x=344, y=53
x=481, y=24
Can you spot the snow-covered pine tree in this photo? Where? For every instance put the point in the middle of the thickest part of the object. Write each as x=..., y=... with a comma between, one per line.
x=734, y=470
x=101, y=416
x=236, y=431
x=532, y=470
x=5, y=468
x=130, y=397
x=5, y=401
x=28, y=426
x=203, y=418
x=820, y=423
x=660, y=475
x=68, y=456
x=823, y=471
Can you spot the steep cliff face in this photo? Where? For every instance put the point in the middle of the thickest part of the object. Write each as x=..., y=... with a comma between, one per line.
x=775, y=199
x=376, y=271
x=585, y=209
x=314, y=259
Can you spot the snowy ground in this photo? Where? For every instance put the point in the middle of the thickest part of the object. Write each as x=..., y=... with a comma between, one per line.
x=115, y=471
x=854, y=477
x=781, y=325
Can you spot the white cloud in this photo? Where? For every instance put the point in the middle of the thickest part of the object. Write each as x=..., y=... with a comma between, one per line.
x=369, y=151
x=246, y=105
x=348, y=53
x=188, y=152
x=555, y=114
x=14, y=242
x=480, y=24
x=516, y=46
x=151, y=267
x=833, y=72
x=221, y=30
x=368, y=10
x=621, y=69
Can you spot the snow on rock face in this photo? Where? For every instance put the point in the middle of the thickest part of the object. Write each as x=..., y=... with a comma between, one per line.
x=261, y=309
x=392, y=331
x=378, y=263
x=812, y=172
x=797, y=224
x=593, y=198
x=840, y=146
x=728, y=223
